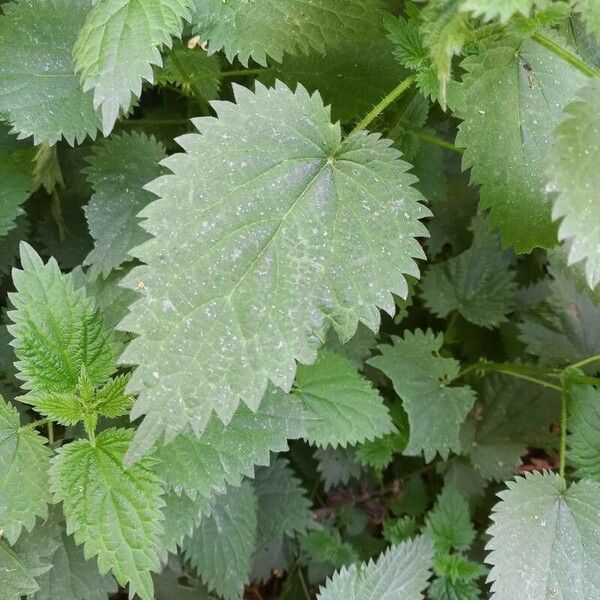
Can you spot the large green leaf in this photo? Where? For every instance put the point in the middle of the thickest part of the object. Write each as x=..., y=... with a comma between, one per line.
x=584, y=425
x=401, y=573
x=420, y=377
x=116, y=514
x=117, y=46
x=577, y=175
x=271, y=27
x=24, y=462
x=590, y=15
x=39, y=90
x=226, y=453
x=221, y=548
x=343, y=407
x=57, y=330
x=514, y=100
x=119, y=169
x=544, y=539
x=16, y=174
x=270, y=228
x=477, y=283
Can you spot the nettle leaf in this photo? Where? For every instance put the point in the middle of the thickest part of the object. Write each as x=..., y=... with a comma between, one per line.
x=565, y=331
x=24, y=462
x=270, y=228
x=117, y=46
x=336, y=466
x=409, y=50
x=272, y=27
x=182, y=516
x=445, y=589
x=16, y=174
x=449, y=522
x=57, y=330
x=15, y=577
x=584, y=425
x=226, y=537
x=577, y=176
x=39, y=90
x=477, y=283
x=344, y=407
x=283, y=508
x=72, y=577
x=590, y=15
x=227, y=453
x=29, y=559
x=119, y=168
x=193, y=70
x=514, y=99
x=116, y=515
x=503, y=10
x=400, y=573
x=510, y=416
x=420, y=377
x=543, y=528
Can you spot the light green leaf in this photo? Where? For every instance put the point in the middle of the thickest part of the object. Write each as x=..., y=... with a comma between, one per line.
x=398, y=530
x=514, y=99
x=39, y=90
x=226, y=537
x=325, y=546
x=72, y=577
x=283, y=508
x=191, y=69
x=336, y=466
x=477, y=283
x=24, y=462
x=420, y=377
x=584, y=425
x=57, y=330
x=182, y=516
x=117, y=513
x=344, y=407
x=449, y=523
x=444, y=589
x=117, y=46
x=408, y=44
x=590, y=15
x=456, y=567
x=120, y=167
x=577, y=175
x=226, y=453
x=270, y=228
x=544, y=539
x=401, y=573
x=272, y=27
x=502, y=9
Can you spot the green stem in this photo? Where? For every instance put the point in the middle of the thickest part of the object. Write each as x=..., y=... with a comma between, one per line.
x=51, y=432
x=563, y=429
x=303, y=583
x=519, y=371
x=541, y=382
x=436, y=141
x=379, y=108
x=586, y=361
x=143, y=122
x=569, y=57
x=34, y=424
x=242, y=72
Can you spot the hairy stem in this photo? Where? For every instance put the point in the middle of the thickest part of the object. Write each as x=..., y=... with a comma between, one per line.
x=381, y=106
x=34, y=424
x=563, y=428
x=436, y=141
x=586, y=361
x=569, y=57
x=532, y=374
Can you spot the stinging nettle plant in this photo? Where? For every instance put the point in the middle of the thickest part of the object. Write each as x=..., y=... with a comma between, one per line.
x=299, y=299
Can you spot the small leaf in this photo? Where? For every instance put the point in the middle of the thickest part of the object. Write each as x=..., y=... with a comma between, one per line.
x=449, y=523
x=400, y=573
x=116, y=514
x=343, y=407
